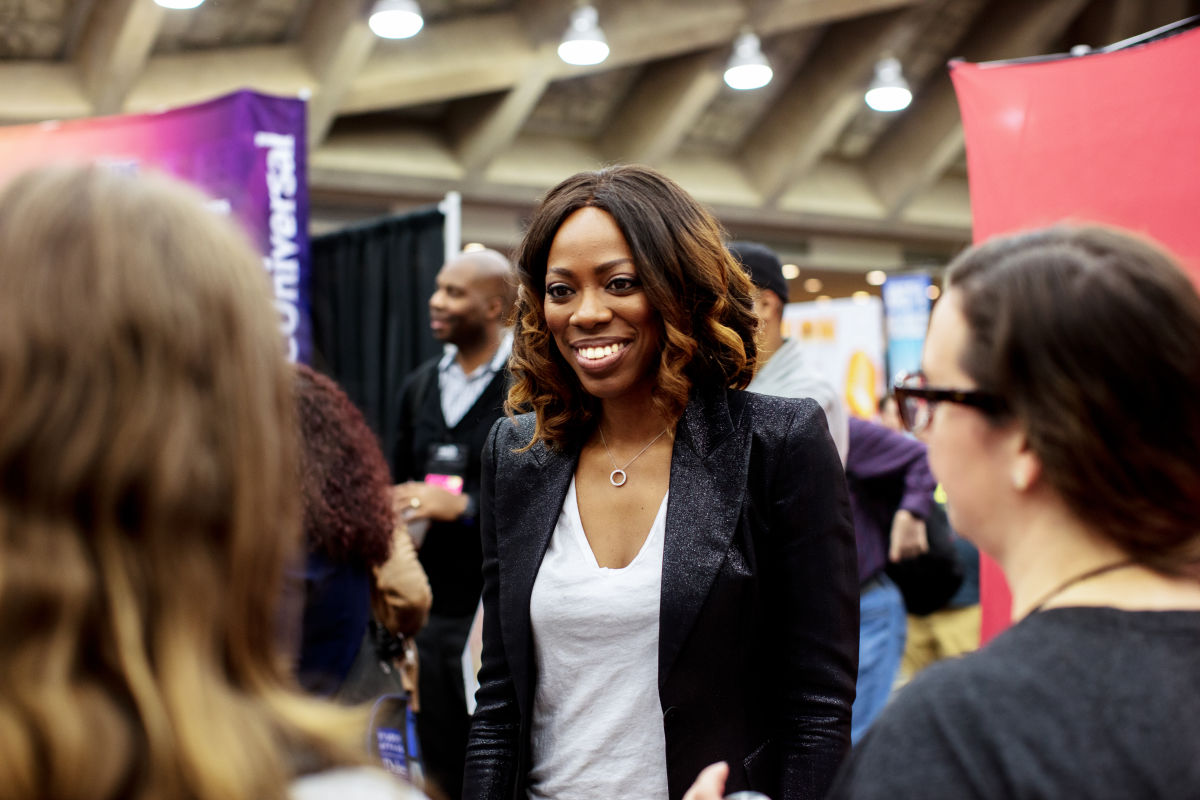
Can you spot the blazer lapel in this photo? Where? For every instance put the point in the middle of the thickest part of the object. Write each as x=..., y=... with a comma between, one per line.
x=523, y=531
x=708, y=484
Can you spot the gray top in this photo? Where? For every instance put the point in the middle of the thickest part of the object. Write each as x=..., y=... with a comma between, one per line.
x=788, y=374
x=1071, y=702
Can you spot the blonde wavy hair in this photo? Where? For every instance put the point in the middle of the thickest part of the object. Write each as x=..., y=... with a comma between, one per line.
x=148, y=502
x=704, y=299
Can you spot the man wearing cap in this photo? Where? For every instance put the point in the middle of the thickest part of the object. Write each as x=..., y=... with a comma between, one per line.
x=888, y=476
x=782, y=370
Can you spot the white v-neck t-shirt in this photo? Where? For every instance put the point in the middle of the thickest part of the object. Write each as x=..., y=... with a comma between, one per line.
x=597, y=728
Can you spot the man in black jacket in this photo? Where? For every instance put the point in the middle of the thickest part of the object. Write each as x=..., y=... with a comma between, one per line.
x=447, y=406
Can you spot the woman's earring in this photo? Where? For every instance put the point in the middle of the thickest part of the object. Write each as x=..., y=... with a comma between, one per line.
x=1023, y=474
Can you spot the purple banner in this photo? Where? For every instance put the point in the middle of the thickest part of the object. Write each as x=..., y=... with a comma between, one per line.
x=246, y=150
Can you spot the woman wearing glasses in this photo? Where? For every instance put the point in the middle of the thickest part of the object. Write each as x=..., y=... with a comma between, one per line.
x=1061, y=371
x=1058, y=400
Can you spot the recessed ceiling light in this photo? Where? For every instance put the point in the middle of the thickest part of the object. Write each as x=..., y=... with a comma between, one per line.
x=748, y=67
x=395, y=19
x=583, y=44
x=888, y=91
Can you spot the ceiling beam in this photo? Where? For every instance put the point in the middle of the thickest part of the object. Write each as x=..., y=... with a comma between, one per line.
x=806, y=120
x=663, y=107
x=1164, y=12
x=1106, y=22
x=113, y=49
x=1117, y=20
x=785, y=15
x=449, y=60
x=492, y=52
x=483, y=127
x=35, y=91
x=545, y=21
x=399, y=161
x=918, y=148
x=349, y=73
x=179, y=79
x=742, y=220
x=335, y=42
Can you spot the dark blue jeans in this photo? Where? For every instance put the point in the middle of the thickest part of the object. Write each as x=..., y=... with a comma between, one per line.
x=881, y=631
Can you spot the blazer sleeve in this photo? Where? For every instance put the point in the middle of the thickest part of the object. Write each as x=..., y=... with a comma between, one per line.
x=815, y=591
x=493, y=748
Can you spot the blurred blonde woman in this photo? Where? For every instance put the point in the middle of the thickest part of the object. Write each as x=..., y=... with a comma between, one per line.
x=148, y=504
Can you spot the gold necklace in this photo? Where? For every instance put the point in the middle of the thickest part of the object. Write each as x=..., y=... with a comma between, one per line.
x=612, y=476
x=1080, y=578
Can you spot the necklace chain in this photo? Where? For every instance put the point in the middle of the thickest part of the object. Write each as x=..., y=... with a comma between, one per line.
x=612, y=476
x=1080, y=578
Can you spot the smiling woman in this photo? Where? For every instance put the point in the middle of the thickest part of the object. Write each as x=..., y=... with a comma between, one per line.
x=676, y=556
x=601, y=320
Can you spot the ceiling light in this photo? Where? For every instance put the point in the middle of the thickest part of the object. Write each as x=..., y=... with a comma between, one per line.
x=933, y=292
x=813, y=285
x=791, y=271
x=396, y=19
x=179, y=5
x=471, y=247
x=888, y=90
x=748, y=67
x=583, y=43
x=876, y=277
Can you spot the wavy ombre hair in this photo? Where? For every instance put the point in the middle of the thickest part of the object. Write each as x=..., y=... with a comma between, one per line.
x=148, y=501
x=703, y=298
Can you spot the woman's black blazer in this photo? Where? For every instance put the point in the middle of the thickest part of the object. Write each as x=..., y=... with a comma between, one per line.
x=758, y=627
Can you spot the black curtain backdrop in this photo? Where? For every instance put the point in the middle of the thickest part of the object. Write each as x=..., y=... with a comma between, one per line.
x=370, y=292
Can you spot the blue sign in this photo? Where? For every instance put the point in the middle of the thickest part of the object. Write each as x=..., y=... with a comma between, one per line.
x=906, y=316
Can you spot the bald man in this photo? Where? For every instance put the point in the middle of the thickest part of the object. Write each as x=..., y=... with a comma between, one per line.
x=447, y=407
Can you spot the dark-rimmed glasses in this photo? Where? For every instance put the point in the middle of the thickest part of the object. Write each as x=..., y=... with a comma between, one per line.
x=916, y=401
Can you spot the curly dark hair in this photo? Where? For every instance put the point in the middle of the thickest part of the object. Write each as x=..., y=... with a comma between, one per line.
x=704, y=299
x=344, y=479
x=1091, y=335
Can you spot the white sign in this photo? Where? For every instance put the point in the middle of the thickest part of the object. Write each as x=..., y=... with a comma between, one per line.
x=843, y=341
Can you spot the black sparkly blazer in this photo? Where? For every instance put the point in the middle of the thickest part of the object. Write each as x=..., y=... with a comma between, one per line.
x=758, y=623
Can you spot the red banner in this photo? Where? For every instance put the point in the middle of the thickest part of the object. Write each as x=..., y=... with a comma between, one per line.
x=1108, y=137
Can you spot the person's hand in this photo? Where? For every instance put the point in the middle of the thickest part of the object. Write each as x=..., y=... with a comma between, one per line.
x=710, y=784
x=908, y=539
x=415, y=500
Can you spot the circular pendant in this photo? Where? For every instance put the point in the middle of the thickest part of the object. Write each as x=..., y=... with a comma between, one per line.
x=614, y=479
